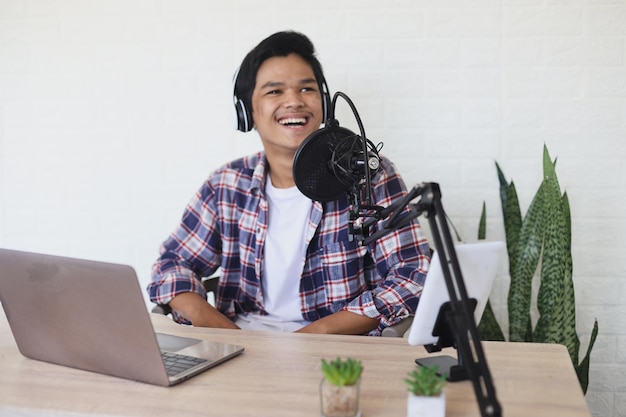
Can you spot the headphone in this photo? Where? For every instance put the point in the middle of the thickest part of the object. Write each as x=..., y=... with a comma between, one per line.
x=243, y=115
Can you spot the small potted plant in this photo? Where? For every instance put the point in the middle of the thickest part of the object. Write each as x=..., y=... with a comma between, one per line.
x=426, y=395
x=339, y=389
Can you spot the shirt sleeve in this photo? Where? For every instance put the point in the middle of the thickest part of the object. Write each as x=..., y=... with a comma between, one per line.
x=190, y=253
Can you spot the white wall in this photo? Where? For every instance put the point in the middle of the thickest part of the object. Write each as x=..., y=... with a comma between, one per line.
x=113, y=112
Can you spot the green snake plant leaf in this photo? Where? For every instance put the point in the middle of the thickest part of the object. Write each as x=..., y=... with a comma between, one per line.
x=522, y=266
x=582, y=370
x=549, y=327
x=570, y=337
x=523, y=259
x=482, y=224
x=488, y=328
x=511, y=213
x=543, y=235
x=556, y=301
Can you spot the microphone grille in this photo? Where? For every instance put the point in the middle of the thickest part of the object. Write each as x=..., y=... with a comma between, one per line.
x=311, y=168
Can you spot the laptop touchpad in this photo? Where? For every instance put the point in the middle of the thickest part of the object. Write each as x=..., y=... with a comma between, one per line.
x=171, y=343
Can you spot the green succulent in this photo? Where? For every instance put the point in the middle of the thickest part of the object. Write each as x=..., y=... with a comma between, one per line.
x=342, y=372
x=425, y=382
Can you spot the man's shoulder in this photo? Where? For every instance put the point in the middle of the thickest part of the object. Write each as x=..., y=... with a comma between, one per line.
x=234, y=173
x=246, y=163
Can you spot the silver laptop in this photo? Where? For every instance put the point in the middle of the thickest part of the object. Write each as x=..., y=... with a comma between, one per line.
x=479, y=263
x=91, y=315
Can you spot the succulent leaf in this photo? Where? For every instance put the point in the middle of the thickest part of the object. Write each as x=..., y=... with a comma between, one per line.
x=342, y=372
x=425, y=382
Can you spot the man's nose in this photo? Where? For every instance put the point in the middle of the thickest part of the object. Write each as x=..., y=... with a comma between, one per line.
x=293, y=99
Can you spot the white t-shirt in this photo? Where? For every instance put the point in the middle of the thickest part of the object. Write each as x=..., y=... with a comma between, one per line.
x=285, y=250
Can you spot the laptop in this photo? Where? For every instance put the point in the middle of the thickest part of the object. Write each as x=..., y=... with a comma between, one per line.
x=479, y=263
x=91, y=315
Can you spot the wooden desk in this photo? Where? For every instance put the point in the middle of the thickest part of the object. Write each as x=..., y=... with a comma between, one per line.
x=279, y=375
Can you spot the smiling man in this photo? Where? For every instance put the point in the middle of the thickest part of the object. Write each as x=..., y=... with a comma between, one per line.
x=287, y=107
x=286, y=262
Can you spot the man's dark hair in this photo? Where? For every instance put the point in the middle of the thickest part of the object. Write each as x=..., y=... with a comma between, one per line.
x=279, y=44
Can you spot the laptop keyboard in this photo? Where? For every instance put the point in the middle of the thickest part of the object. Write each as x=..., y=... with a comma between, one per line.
x=175, y=363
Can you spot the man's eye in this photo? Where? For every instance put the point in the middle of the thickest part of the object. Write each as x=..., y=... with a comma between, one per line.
x=273, y=92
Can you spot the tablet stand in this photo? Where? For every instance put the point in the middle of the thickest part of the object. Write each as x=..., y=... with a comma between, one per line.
x=456, y=322
x=452, y=368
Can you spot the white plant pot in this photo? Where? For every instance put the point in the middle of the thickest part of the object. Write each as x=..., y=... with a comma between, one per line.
x=426, y=406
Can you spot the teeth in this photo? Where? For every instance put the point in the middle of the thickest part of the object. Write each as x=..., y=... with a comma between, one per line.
x=292, y=120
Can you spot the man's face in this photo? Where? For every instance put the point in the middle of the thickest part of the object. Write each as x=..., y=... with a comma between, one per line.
x=286, y=104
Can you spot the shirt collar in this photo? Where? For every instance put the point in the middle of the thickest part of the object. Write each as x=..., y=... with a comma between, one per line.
x=259, y=174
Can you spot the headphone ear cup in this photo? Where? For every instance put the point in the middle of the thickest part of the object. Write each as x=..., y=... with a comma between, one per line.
x=243, y=117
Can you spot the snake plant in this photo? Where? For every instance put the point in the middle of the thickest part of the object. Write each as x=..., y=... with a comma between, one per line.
x=541, y=240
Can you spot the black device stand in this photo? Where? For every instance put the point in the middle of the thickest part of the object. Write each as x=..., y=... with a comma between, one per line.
x=452, y=368
x=458, y=323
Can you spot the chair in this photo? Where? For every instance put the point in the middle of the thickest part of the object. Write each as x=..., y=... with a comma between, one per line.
x=210, y=285
x=398, y=329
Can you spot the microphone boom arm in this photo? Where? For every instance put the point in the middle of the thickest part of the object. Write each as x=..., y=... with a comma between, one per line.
x=461, y=317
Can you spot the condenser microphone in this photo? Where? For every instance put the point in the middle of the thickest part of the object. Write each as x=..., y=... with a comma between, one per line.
x=333, y=160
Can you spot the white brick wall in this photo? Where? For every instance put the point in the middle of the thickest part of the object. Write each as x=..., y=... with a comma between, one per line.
x=113, y=112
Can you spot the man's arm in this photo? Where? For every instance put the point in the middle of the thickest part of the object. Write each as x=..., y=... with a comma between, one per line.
x=200, y=313
x=342, y=322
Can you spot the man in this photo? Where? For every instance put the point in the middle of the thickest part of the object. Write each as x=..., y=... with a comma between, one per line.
x=285, y=261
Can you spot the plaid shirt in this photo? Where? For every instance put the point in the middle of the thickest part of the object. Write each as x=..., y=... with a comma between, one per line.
x=224, y=226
